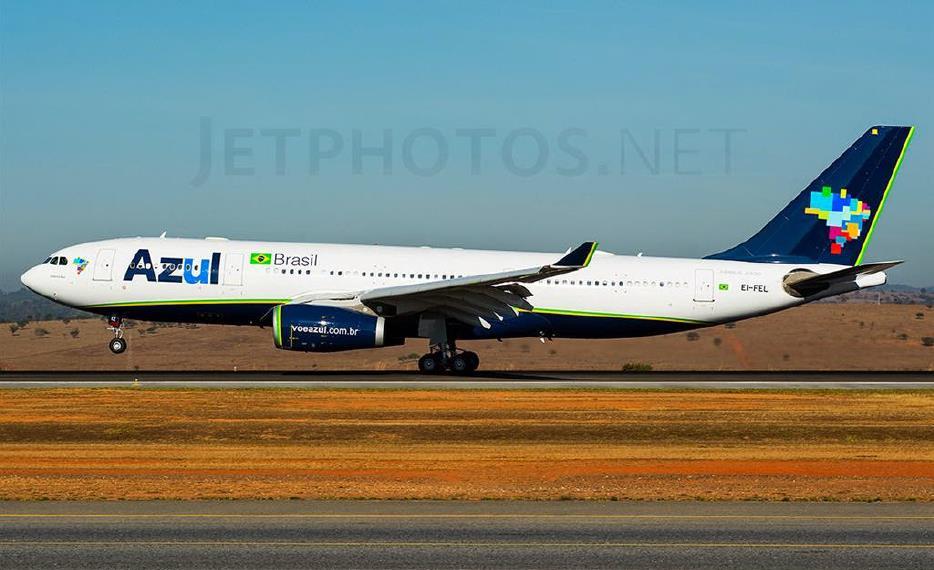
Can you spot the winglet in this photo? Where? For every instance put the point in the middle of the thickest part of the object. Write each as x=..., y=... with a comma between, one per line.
x=579, y=257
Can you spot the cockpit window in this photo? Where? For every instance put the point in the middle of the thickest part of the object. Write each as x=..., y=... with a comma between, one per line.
x=62, y=261
x=47, y=260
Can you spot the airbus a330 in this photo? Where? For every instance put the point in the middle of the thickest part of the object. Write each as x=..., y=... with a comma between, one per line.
x=325, y=297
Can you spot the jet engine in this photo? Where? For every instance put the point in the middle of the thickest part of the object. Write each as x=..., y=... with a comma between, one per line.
x=316, y=328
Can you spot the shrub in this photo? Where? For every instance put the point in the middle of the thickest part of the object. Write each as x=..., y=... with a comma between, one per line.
x=902, y=336
x=919, y=316
x=637, y=367
x=13, y=328
x=41, y=332
x=928, y=341
x=692, y=336
x=717, y=341
x=74, y=333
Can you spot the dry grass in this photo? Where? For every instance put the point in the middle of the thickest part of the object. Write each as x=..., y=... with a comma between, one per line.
x=542, y=444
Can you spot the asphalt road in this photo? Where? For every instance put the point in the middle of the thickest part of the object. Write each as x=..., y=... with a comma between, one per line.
x=487, y=380
x=502, y=534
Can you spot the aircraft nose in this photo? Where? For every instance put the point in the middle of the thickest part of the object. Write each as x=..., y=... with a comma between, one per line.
x=29, y=279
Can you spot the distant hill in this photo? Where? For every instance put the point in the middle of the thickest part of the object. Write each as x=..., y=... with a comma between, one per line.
x=888, y=294
x=26, y=305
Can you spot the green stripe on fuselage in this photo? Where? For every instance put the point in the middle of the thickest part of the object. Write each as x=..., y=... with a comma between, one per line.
x=193, y=302
x=569, y=313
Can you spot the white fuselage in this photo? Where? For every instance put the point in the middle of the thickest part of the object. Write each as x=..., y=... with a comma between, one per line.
x=215, y=275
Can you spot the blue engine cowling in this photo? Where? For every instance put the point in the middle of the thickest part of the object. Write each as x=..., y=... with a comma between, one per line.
x=314, y=328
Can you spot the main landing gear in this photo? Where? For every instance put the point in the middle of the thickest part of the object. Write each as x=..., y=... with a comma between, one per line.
x=118, y=344
x=447, y=358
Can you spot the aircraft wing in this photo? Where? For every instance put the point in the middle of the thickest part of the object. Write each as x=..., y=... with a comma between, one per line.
x=472, y=299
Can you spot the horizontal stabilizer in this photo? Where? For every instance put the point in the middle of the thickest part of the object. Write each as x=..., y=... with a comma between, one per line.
x=807, y=283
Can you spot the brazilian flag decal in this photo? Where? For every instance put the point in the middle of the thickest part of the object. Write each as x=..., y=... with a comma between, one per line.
x=260, y=258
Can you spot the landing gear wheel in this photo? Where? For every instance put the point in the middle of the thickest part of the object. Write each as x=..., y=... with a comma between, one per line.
x=430, y=364
x=460, y=363
x=117, y=345
x=473, y=360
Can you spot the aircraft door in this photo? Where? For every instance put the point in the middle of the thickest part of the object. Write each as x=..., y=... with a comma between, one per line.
x=703, y=285
x=103, y=265
x=233, y=269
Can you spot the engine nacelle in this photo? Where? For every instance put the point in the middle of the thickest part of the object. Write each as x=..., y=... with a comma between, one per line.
x=314, y=328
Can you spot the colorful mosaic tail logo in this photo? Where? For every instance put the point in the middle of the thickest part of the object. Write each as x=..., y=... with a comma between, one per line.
x=844, y=216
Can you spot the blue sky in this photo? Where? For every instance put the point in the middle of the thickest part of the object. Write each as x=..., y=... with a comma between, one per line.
x=102, y=106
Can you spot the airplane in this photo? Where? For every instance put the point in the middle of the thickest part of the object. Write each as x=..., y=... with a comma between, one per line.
x=326, y=297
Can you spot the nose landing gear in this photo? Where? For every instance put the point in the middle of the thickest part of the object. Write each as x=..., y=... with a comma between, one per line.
x=118, y=343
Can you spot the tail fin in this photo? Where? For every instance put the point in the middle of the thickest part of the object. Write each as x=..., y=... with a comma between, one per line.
x=831, y=221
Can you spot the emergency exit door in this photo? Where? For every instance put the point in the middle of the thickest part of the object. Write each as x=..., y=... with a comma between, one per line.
x=104, y=265
x=233, y=269
x=703, y=285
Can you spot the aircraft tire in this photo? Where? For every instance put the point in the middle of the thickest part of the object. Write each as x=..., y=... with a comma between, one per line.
x=117, y=345
x=473, y=360
x=460, y=364
x=430, y=364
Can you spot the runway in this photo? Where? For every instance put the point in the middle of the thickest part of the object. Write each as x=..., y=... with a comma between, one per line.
x=448, y=534
x=482, y=380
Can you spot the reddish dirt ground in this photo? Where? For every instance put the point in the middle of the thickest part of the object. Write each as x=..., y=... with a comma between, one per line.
x=814, y=337
x=148, y=443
